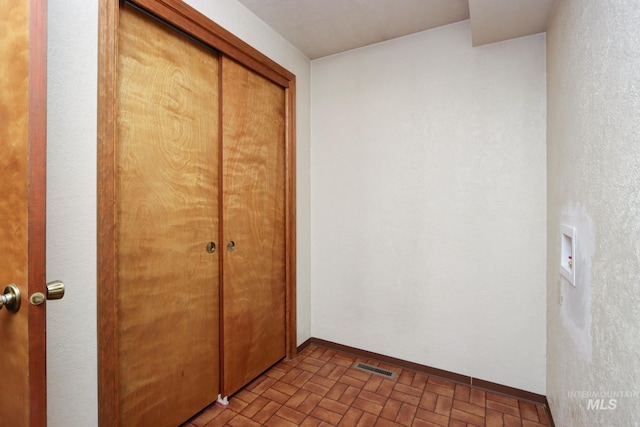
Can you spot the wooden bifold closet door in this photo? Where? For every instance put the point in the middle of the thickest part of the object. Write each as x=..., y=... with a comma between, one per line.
x=167, y=204
x=200, y=162
x=253, y=218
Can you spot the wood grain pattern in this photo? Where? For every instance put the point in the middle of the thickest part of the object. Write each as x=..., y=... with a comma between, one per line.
x=167, y=205
x=253, y=187
x=192, y=22
x=199, y=26
x=14, y=137
x=37, y=210
x=22, y=209
x=107, y=289
x=290, y=222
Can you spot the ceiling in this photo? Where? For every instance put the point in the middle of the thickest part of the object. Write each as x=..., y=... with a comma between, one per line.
x=324, y=27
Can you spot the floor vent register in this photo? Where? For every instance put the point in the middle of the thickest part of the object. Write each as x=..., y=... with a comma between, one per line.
x=375, y=370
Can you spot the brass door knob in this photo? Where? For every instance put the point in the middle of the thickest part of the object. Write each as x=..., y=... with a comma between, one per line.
x=55, y=289
x=10, y=298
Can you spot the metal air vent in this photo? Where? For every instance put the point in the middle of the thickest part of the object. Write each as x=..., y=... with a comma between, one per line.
x=375, y=370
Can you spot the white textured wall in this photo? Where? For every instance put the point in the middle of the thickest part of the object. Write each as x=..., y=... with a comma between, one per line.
x=593, y=70
x=72, y=390
x=71, y=233
x=428, y=203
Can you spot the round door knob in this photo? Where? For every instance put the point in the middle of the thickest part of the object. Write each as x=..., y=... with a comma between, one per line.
x=10, y=298
x=55, y=289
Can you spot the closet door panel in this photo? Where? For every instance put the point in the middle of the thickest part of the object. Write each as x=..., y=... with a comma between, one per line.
x=167, y=207
x=253, y=183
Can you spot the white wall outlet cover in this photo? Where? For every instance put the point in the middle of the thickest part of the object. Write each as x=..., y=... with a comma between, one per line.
x=567, y=253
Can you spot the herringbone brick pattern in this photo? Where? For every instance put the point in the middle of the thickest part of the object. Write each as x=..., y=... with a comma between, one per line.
x=321, y=388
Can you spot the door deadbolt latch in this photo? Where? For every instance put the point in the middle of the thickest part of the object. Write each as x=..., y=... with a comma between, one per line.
x=55, y=290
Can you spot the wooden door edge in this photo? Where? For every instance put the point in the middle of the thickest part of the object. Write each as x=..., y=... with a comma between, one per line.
x=194, y=23
x=221, y=235
x=291, y=342
x=108, y=360
x=37, y=210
